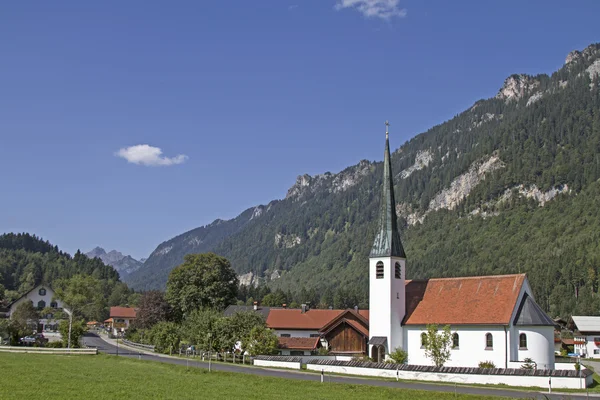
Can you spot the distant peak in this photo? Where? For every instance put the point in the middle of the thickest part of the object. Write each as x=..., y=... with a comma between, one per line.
x=517, y=86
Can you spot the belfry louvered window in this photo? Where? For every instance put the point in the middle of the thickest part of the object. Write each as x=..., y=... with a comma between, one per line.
x=379, y=270
x=398, y=271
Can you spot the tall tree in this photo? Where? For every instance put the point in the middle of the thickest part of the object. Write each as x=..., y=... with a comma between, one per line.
x=203, y=280
x=152, y=309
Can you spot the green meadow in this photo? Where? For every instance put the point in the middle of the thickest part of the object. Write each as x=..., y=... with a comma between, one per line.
x=33, y=376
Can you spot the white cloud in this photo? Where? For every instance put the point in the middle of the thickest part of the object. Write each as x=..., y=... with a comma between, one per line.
x=143, y=154
x=292, y=7
x=384, y=9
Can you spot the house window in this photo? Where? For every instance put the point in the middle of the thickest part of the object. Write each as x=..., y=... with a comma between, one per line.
x=41, y=304
x=455, y=342
x=398, y=271
x=42, y=292
x=314, y=335
x=522, y=341
x=54, y=304
x=296, y=353
x=423, y=339
x=285, y=335
x=379, y=271
x=489, y=341
x=596, y=351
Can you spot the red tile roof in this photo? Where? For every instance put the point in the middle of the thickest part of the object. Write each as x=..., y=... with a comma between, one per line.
x=313, y=319
x=122, y=312
x=298, y=343
x=480, y=300
x=570, y=342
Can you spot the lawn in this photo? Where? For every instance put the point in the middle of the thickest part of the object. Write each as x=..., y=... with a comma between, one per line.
x=44, y=376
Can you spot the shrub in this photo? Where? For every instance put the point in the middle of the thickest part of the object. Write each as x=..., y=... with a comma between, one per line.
x=399, y=356
x=528, y=364
x=322, y=351
x=487, y=364
x=55, y=345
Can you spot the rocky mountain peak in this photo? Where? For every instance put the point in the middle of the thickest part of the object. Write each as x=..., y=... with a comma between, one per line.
x=576, y=55
x=333, y=183
x=517, y=86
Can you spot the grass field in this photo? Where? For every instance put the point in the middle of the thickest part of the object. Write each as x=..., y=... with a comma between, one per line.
x=42, y=376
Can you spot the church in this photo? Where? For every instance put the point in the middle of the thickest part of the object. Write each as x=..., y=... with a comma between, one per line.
x=492, y=318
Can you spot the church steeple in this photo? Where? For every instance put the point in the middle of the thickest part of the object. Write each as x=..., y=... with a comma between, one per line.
x=387, y=242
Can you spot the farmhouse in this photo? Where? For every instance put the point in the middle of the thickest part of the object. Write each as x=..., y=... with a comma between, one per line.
x=42, y=297
x=302, y=331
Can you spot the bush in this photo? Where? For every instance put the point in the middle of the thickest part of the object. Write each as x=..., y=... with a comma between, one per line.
x=528, y=364
x=399, y=356
x=487, y=364
x=165, y=337
x=54, y=345
x=322, y=351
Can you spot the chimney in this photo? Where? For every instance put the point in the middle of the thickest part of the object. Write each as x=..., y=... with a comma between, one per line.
x=331, y=307
x=255, y=305
x=355, y=308
x=284, y=306
x=304, y=308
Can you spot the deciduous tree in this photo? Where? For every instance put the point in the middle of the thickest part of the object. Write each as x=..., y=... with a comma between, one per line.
x=438, y=344
x=202, y=281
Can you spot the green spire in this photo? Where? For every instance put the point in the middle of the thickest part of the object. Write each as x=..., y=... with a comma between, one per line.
x=387, y=242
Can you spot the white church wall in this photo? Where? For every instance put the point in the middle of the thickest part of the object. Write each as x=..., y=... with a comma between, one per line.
x=510, y=380
x=277, y=364
x=540, y=345
x=471, y=350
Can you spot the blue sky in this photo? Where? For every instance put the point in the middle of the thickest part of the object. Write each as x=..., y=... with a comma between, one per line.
x=240, y=96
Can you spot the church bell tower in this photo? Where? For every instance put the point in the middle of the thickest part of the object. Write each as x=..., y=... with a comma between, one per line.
x=387, y=264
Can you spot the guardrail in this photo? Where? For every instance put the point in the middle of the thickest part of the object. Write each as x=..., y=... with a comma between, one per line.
x=46, y=350
x=138, y=345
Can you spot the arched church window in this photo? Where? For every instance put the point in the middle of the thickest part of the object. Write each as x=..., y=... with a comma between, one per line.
x=42, y=292
x=398, y=271
x=489, y=341
x=41, y=304
x=379, y=270
x=455, y=342
x=522, y=341
x=54, y=304
x=423, y=339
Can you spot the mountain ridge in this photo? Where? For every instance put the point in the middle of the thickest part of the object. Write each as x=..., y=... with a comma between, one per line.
x=532, y=146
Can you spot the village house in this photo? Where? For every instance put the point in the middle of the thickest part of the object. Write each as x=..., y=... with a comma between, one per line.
x=302, y=331
x=42, y=297
x=586, y=338
x=120, y=319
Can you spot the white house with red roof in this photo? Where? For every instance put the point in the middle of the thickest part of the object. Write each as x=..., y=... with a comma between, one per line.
x=120, y=319
x=492, y=318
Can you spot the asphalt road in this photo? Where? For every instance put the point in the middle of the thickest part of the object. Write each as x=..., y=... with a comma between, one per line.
x=94, y=340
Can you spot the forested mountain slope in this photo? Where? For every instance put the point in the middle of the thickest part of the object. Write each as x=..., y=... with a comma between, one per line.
x=26, y=261
x=509, y=185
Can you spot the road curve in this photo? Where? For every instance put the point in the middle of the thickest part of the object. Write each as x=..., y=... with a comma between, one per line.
x=93, y=340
